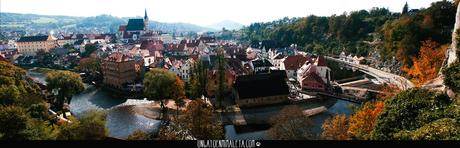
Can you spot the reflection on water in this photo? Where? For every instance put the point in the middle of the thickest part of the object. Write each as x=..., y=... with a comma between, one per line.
x=121, y=120
x=37, y=76
x=230, y=133
x=340, y=107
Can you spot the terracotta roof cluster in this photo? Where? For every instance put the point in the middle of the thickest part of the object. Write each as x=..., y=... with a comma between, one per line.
x=310, y=72
x=295, y=62
x=117, y=57
x=152, y=45
x=175, y=47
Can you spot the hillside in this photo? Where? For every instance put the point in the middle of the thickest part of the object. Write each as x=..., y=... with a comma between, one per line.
x=100, y=23
x=227, y=24
x=406, y=39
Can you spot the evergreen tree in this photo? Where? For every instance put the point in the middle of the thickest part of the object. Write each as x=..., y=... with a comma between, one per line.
x=221, y=76
x=198, y=80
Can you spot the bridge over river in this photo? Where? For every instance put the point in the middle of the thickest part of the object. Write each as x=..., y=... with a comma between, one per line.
x=382, y=76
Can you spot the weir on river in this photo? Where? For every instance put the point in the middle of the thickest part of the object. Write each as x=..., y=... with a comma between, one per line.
x=122, y=119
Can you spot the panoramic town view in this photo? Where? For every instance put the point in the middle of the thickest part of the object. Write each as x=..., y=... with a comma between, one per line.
x=230, y=70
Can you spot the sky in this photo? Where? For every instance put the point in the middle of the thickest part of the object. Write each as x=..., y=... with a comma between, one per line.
x=203, y=12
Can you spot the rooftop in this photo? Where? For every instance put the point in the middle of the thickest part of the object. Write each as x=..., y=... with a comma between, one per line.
x=295, y=62
x=118, y=57
x=261, y=85
x=135, y=25
x=33, y=38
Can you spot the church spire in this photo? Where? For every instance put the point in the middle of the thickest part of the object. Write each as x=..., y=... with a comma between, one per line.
x=146, y=21
x=145, y=15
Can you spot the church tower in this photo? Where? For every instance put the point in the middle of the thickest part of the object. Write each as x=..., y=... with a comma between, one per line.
x=146, y=20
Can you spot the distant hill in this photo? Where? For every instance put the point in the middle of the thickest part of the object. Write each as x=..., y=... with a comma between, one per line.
x=100, y=23
x=229, y=25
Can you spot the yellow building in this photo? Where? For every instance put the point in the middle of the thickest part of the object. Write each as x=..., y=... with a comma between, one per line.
x=30, y=45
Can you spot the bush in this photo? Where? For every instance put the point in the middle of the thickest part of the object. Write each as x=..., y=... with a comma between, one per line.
x=452, y=75
x=411, y=112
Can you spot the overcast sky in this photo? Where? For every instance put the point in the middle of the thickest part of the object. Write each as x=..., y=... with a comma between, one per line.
x=203, y=12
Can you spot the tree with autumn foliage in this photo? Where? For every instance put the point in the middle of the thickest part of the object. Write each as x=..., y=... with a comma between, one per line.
x=198, y=122
x=388, y=91
x=428, y=63
x=363, y=121
x=179, y=96
x=291, y=124
x=357, y=126
x=160, y=84
x=336, y=128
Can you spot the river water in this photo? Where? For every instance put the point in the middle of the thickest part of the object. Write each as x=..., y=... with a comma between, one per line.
x=339, y=107
x=122, y=120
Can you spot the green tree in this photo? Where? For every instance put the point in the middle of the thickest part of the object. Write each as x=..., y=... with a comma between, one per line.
x=452, y=75
x=91, y=126
x=39, y=111
x=9, y=94
x=199, y=121
x=89, y=49
x=441, y=129
x=90, y=65
x=13, y=122
x=410, y=110
x=160, y=84
x=198, y=80
x=40, y=130
x=291, y=124
x=221, y=81
x=66, y=84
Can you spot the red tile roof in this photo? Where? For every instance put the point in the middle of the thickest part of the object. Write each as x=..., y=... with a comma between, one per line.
x=152, y=45
x=117, y=57
x=295, y=62
x=175, y=47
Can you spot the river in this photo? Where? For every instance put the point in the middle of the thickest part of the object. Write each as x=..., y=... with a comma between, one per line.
x=339, y=107
x=122, y=120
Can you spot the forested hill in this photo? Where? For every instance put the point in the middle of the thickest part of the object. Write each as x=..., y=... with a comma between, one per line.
x=397, y=34
x=100, y=23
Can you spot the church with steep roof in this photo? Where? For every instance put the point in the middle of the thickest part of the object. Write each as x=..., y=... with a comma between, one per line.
x=134, y=29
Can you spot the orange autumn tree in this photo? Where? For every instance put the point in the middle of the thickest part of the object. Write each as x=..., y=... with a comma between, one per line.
x=336, y=128
x=363, y=121
x=426, y=66
x=358, y=126
x=388, y=90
